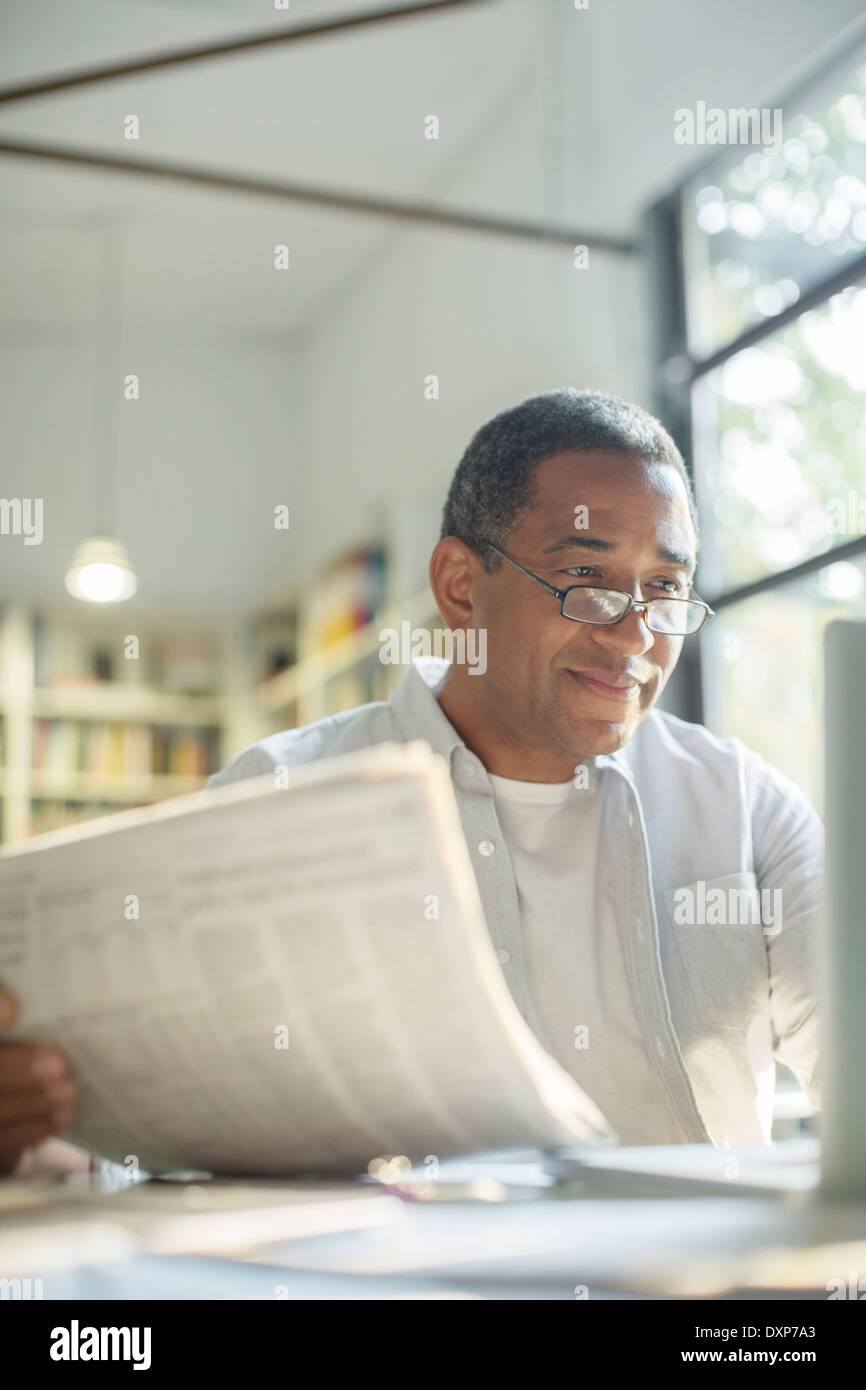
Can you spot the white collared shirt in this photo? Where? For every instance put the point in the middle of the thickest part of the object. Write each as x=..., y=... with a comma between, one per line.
x=578, y=998
x=691, y=826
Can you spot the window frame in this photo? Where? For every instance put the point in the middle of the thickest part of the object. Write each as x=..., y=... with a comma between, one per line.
x=676, y=370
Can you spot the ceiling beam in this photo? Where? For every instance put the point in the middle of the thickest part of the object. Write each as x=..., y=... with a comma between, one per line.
x=110, y=72
x=420, y=214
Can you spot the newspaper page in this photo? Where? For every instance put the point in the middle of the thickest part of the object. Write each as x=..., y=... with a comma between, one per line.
x=270, y=979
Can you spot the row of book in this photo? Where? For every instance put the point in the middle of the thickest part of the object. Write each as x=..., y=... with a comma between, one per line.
x=113, y=749
x=346, y=597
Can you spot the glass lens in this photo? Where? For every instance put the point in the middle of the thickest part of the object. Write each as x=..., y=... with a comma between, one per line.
x=594, y=605
x=675, y=617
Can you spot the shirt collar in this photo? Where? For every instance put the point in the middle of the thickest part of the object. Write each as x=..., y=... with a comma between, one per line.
x=417, y=710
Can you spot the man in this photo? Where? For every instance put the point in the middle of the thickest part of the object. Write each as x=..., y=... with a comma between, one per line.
x=653, y=892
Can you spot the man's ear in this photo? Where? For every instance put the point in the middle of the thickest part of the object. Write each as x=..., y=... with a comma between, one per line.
x=454, y=568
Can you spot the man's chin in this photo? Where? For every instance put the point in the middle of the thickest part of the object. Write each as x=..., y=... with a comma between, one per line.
x=597, y=737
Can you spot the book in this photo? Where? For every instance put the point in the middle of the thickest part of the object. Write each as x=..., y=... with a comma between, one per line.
x=290, y=974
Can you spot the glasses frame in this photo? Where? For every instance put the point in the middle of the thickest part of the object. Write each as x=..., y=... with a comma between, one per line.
x=636, y=605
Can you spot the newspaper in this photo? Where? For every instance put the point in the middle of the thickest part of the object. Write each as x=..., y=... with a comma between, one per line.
x=270, y=979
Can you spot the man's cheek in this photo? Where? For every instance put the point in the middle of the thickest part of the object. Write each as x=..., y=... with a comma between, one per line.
x=651, y=691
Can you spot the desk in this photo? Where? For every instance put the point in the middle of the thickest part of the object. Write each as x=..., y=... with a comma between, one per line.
x=358, y=1241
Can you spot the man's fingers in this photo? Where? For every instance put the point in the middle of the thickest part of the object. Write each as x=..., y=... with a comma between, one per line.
x=27, y=1064
x=14, y=1139
x=37, y=1091
x=49, y=1104
x=8, y=1007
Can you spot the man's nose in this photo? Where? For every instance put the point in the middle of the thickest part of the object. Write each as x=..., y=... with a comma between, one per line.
x=630, y=634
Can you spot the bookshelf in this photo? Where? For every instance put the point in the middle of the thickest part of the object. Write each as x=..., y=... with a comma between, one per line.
x=348, y=671
x=83, y=734
x=338, y=623
x=86, y=744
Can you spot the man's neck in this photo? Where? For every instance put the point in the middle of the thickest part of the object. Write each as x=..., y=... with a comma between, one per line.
x=481, y=731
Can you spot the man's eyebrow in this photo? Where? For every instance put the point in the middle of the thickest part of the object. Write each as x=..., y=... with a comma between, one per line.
x=673, y=557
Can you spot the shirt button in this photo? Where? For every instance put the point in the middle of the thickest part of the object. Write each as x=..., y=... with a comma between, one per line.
x=486, y=848
x=503, y=956
x=660, y=1048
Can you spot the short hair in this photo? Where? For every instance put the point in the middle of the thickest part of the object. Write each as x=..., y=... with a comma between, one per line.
x=491, y=490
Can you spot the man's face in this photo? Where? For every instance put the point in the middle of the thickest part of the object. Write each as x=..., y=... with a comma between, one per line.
x=567, y=689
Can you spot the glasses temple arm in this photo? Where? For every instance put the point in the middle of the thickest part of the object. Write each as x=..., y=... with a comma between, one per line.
x=557, y=593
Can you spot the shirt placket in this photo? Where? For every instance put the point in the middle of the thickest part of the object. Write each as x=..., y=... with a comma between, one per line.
x=627, y=881
x=494, y=874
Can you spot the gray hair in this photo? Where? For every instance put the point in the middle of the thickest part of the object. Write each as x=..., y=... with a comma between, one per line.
x=491, y=490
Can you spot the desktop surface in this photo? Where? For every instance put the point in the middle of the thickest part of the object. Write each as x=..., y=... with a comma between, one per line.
x=493, y=1227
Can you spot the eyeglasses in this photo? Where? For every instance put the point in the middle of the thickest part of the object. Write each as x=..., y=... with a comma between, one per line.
x=672, y=617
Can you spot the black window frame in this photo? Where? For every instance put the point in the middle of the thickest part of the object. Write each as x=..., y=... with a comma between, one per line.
x=676, y=370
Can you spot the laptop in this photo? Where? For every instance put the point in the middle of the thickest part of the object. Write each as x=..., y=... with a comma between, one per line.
x=835, y=1165
x=843, y=1121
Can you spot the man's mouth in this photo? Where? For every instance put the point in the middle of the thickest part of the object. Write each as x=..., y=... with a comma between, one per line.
x=608, y=684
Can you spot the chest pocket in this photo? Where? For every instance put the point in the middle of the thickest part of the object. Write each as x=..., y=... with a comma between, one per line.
x=714, y=944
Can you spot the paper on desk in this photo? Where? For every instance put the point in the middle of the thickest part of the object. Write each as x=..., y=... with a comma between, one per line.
x=340, y=915
x=226, y=1219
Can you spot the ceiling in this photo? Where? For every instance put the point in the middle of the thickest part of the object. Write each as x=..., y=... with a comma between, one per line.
x=341, y=111
x=546, y=114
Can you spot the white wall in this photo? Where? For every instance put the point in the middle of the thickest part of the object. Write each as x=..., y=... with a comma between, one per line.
x=499, y=320
x=217, y=431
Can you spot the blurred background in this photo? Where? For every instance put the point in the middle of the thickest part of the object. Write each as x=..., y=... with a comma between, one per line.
x=234, y=343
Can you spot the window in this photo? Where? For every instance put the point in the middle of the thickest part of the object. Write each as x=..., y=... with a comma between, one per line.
x=759, y=268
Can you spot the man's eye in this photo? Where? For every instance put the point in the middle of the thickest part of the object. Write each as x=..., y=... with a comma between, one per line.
x=669, y=586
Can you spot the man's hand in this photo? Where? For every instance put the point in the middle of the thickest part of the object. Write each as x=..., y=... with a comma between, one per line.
x=37, y=1091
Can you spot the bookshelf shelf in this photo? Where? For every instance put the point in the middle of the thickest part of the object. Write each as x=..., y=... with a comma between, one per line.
x=309, y=675
x=76, y=744
x=90, y=786
x=79, y=746
x=135, y=703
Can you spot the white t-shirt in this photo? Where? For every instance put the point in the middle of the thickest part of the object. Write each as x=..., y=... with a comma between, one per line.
x=579, y=1003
